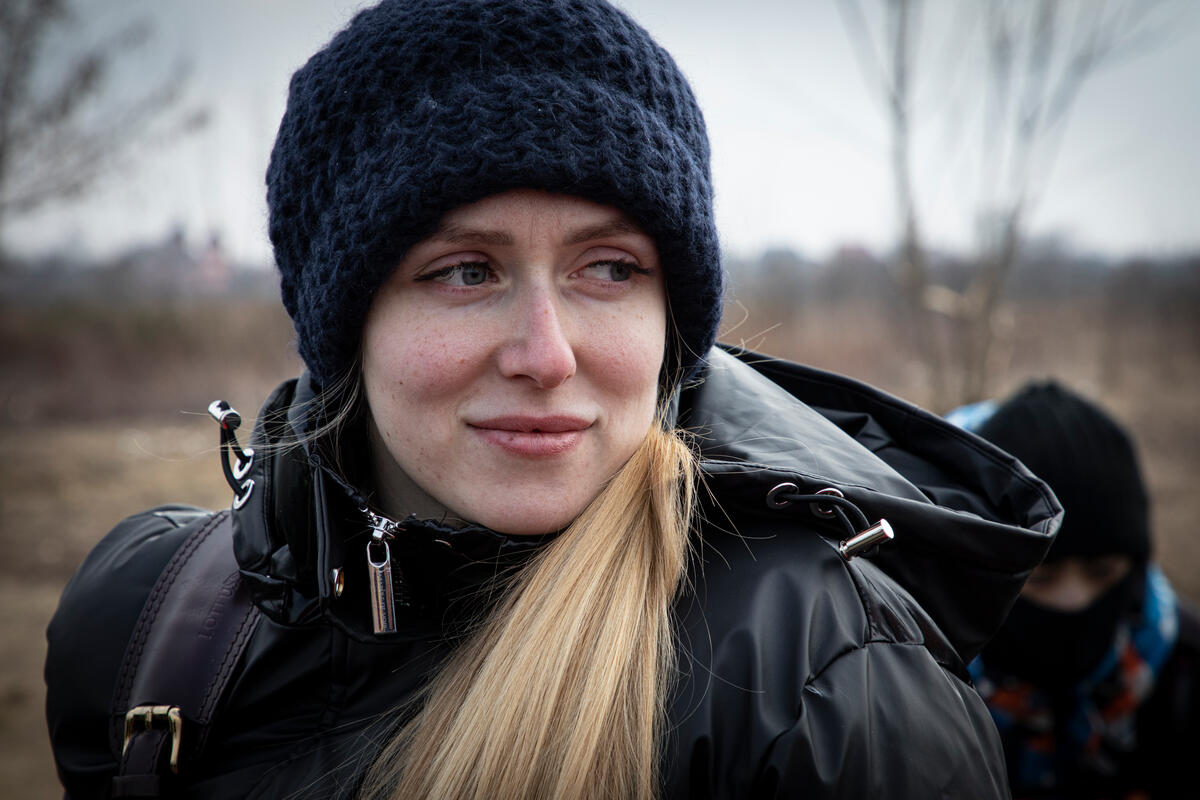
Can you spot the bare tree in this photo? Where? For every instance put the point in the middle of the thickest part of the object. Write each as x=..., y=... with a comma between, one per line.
x=1027, y=61
x=49, y=150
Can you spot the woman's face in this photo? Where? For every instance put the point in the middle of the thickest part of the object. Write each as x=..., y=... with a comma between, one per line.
x=511, y=361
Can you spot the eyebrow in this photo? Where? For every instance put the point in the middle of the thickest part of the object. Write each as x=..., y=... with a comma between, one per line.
x=613, y=227
x=457, y=234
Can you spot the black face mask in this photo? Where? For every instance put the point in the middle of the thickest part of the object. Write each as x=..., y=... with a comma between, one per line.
x=1056, y=649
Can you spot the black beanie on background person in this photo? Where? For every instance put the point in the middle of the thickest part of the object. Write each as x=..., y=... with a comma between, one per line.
x=420, y=106
x=1089, y=462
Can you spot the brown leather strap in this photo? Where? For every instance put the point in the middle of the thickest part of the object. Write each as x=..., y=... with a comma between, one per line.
x=183, y=651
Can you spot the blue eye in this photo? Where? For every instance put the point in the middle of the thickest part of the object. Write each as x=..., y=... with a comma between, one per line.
x=473, y=273
x=615, y=270
x=619, y=270
x=468, y=273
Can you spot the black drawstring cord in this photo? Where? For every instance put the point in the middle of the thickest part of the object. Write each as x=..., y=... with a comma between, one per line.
x=830, y=505
x=231, y=450
x=861, y=536
x=317, y=463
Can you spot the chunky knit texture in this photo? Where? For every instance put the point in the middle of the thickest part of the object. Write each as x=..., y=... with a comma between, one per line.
x=1089, y=461
x=420, y=106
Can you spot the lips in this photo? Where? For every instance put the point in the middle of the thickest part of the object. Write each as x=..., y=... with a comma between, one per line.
x=517, y=423
x=532, y=436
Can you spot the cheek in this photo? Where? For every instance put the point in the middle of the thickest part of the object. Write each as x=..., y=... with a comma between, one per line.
x=631, y=353
x=407, y=363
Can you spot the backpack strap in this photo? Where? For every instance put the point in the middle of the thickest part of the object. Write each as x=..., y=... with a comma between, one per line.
x=183, y=651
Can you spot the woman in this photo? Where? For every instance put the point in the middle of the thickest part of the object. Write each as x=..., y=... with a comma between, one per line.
x=477, y=564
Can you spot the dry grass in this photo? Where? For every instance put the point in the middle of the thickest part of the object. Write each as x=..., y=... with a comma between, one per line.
x=65, y=485
x=101, y=414
x=89, y=362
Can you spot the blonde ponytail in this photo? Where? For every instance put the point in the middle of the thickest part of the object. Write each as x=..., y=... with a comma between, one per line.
x=561, y=692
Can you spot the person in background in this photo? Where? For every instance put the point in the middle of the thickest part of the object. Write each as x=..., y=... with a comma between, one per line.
x=1094, y=679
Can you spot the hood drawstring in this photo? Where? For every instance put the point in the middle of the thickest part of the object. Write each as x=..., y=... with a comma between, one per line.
x=235, y=473
x=831, y=503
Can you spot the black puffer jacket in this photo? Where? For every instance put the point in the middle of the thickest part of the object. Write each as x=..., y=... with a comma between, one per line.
x=804, y=675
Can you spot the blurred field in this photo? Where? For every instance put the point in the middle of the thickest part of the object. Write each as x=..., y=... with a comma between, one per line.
x=102, y=414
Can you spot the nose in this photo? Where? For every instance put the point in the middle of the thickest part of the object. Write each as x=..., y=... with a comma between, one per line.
x=1073, y=591
x=539, y=348
x=1074, y=595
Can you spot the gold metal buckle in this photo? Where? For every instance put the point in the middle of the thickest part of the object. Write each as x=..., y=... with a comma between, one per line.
x=147, y=715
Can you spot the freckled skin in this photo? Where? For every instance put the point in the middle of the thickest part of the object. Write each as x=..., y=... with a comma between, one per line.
x=554, y=330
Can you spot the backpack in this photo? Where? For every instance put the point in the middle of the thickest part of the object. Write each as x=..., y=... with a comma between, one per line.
x=184, y=649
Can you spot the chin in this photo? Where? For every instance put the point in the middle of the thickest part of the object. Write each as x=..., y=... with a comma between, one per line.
x=519, y=504
x=523, y=525
x=526, y=521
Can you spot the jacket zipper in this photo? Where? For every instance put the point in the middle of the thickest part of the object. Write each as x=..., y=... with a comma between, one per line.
x=379, y=569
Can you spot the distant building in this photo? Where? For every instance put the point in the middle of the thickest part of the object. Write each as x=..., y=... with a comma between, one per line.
x=156, y=270
x=212, y=273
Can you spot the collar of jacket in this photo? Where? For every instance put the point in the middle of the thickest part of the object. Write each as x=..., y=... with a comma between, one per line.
x=970, y=521
x=299, y=528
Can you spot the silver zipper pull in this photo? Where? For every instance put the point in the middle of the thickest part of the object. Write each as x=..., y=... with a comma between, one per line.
x=383, y=602
x=379, y=568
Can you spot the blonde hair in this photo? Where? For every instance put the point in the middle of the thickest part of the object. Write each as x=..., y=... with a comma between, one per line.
x=561, y=692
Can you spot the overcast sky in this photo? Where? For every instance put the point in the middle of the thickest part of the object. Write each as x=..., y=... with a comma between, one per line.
x=800, y=142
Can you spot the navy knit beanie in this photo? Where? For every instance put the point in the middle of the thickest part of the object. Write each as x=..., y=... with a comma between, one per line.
x=1089, y=462
x=420, y=106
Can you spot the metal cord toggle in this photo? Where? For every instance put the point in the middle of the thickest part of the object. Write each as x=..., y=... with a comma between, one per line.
x=830, y=503
x=878, y=533
x=236, y=460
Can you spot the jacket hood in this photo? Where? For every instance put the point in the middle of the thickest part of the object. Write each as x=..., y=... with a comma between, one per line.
x=970, y=521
